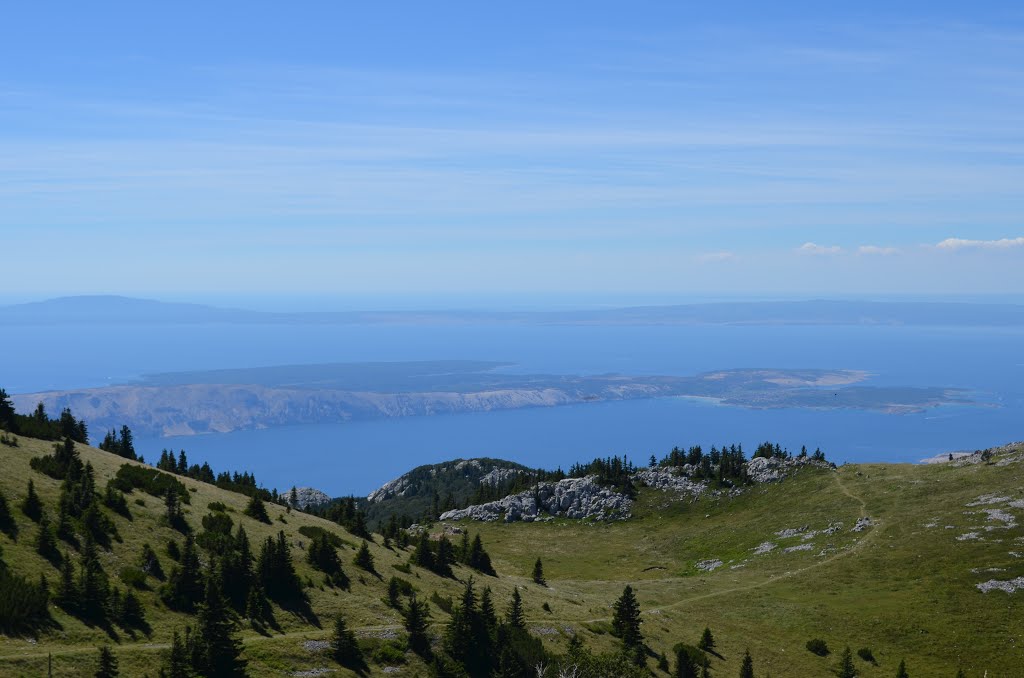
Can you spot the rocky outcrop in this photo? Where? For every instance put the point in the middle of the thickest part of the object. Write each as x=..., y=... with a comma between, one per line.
x=569, y=498
x=670, y=480
x=769, y=470
x=309, y=496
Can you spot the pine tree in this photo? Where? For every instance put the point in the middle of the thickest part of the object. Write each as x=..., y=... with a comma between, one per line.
x=67, y=590
x=7, y=524
x=257, y=510
x=31, y=506
x=344, y=647
x=479, y=559
x=177, y=665
x=293, y=498
x=487, y=611
x=626, y=620
x=46, y=542
x=846, y=668
x=107, y=667
x=364, y=558
x=685, y=666
x=94, y=590
x=150, y=563
x=901, y=672
x=960, y=674
x=707, y=641
x=747, y=668
x=218, y=649
x=184, y=588
x=416, y=615
x=538, y=573
x=515, y=617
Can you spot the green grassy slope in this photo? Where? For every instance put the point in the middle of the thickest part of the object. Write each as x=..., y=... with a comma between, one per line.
x=904, y=587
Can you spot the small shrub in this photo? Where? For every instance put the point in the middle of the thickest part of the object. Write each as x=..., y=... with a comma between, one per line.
x=389, y=654
x=173, y=550
x=818, y=646
x=333, y=539
x=546, y=607
x=403, y=568
x=218, y=506
x=140, y=502
x=134, y=577
x=867, y=655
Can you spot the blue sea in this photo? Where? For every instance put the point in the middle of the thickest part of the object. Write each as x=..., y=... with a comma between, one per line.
x=356, y=457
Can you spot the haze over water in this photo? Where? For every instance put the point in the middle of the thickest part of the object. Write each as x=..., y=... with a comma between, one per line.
x=355, y=457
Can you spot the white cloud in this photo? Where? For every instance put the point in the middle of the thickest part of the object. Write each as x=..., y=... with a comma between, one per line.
x=962, y=244
x=814, y=248
x=711, y=257
x=876, y=249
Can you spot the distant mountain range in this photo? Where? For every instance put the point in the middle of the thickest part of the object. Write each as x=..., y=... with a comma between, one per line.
x=127, y=310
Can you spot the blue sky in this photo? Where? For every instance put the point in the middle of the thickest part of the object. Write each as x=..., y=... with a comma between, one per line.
x=646, y=149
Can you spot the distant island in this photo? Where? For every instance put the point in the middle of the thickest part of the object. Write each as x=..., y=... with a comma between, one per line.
x=219, y=401
x=127, y=310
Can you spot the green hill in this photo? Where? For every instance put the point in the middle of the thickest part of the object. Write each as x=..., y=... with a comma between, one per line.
x=905, y=586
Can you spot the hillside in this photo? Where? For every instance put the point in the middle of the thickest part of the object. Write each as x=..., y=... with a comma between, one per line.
x=797, y=561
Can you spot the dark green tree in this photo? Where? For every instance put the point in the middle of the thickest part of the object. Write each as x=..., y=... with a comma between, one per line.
x=707, y=641
x=344, y=647
x=478, y=559
x=107, y=665
x=178, y=664
x=46, y=542
x=364, y=558
x=901, y=672
x=31, y=506
x=846, y=669
x=257, y=510
x=686, y=667
x=67, y=589
x=538, y=573
x=218, y=650
x=7, y=524
x=747, y=668
x=93, y=587
x=184, y=588
x=515, y=617
x=626, y=624
x=487, y=611
x=150, y=563
x=416, y=615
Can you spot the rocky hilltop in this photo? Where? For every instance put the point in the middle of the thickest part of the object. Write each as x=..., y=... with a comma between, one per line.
x=585, y=498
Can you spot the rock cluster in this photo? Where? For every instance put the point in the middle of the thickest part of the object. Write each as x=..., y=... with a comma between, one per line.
x=769, y=470
x=1009, y=586
x=569, y=498
x=669, y=480
x=310, y=496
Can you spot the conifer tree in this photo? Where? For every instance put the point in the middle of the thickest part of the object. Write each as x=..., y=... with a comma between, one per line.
x=150, y=563
x=344, y=647
x=707, y=641
x=257, y=510
x=626, y=624
x=487, y=611
x=93, y=587
x=219, y=652
x=515, y=617
x=901, y=672
x=538, y=573
x=177, y=665
x=257, y=609
x=67, y=589
x=31, y=506
x=747, y=668
x=685, y=666
x=479, y=559
x=846, y=669
x=7, y=524
x=424, y=554
x=107, y=665
x=184, y=588
x=364, y=558
x=46, y=542
x=416, y=615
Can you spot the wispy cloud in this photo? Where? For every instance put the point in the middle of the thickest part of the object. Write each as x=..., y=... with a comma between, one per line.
x=877, y=250
x=966, y=244
x=712, y=257
x=814, y=248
